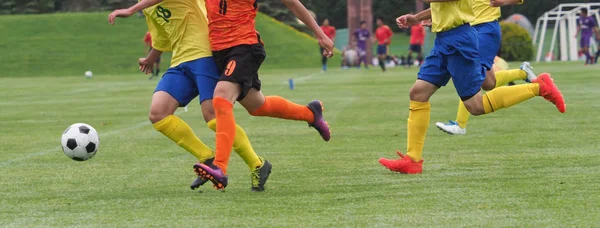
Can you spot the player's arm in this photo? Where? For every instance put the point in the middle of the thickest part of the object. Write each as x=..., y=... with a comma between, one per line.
x=302, y=13
x=498, y=3
x=408, y=20
x=143, y=4
x=147, y=64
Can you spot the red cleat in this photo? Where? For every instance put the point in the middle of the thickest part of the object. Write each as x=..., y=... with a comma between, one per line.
x=403, y=165
x=550, y=92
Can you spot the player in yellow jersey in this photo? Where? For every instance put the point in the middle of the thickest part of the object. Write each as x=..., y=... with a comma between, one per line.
x=181, y=26
x=455, y=56
x=490, y=36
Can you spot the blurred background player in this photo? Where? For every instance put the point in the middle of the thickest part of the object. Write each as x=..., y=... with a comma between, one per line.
x=587, y=26
x=350, y=55
x=156, y=68
x=361, y=37
x=383, y=34
x=329, y=32
x=192, y=73
x=239, y=52
x=417, y=39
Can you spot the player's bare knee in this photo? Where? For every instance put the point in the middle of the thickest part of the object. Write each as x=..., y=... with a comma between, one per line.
x=208, y=112
x=156, y=115
x=488, y=85
x=475, y=110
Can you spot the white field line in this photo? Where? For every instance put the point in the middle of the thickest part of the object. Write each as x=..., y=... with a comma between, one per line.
x=301, y=78
x=54, y=149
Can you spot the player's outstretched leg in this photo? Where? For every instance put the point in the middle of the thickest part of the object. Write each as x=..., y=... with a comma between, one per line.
x=459, y=126
x=279, y=107
x=507, y=96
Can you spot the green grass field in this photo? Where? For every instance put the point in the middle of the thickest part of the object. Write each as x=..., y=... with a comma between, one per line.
x=528, y=166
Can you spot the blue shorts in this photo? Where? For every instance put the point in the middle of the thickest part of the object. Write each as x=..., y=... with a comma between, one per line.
x=490, y=37
x=382, y=49
x=190, y=79
x=455, y=55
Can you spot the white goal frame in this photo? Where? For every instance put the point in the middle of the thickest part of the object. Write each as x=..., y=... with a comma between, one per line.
x=564, y=17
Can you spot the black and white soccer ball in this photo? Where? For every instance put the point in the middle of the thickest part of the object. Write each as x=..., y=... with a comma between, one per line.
x=80, y=142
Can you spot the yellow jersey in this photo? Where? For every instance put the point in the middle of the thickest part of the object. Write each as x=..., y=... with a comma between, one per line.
x=484, y=12
x=180, y=26
x=449, y=15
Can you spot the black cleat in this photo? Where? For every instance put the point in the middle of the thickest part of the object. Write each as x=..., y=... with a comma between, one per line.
x=260, y=175
x=199, y=181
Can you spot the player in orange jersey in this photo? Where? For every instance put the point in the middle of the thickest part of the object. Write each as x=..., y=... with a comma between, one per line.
x=239, y=52
x=383, y=36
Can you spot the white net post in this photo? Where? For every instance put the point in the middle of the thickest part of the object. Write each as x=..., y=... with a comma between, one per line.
x=564, y=56
x=573, y=45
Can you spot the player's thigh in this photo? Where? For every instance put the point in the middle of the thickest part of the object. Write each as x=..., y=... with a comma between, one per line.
x=205, y=74
x=178, y=85
x=467, y=75
x=241, y=68
x=464, y=65
x=489, y=82
x=433, y=71
x=254, y=100
x=489, y=38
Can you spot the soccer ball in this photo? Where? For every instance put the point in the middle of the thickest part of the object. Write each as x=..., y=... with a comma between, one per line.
x=89, y=74
x=80, y=142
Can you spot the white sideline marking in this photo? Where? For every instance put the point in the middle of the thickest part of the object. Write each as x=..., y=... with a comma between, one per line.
x=44, y=152
x=300, y=79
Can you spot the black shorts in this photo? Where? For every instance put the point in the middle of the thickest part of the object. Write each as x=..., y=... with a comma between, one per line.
x=240, y=65
x=415, y=48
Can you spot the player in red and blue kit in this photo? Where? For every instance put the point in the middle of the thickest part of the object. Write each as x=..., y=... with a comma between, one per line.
x=587, y=26
x=362, y=35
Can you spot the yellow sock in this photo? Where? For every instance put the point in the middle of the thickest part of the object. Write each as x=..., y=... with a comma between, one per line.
x=506, y=96
x=503, y=77
x=241, y=145
x=181, y=133
x=418, y=122
x=462, y=115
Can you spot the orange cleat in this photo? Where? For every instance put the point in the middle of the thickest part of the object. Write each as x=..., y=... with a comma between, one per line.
x=403, y=165
x=550, y=92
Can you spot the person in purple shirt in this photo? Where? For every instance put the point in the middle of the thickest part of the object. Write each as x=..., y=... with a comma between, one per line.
x=587, y=26
x=361, y=36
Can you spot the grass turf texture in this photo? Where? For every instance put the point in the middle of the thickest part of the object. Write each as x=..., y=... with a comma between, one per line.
x=526, y=166
x=72, y=43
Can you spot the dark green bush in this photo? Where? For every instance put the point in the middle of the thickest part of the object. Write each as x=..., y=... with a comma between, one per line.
x=516, y=43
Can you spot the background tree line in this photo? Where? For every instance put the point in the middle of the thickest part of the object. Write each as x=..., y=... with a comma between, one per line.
x=335, y=10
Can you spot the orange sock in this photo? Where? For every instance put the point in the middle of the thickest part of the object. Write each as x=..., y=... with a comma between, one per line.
x=225, y=132
x=279, y=107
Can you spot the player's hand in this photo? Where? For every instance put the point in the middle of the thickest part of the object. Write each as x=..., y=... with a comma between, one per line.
x=327, y=45
x=118, y=13
x=406, y=21
x=144, y=66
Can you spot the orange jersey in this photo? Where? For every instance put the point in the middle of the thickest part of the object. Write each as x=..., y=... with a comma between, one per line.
x=231, y=23
x=383, y=34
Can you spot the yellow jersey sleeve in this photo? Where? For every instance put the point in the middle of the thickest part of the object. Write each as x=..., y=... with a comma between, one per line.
x=160, y=39
x=449, y=15
x=180, y=26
